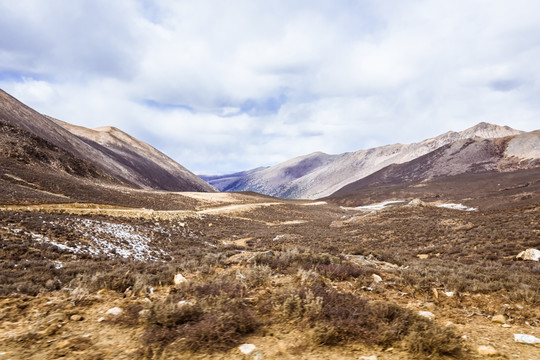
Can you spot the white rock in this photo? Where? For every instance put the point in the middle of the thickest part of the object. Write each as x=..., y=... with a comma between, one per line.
x=487, y=350
x=427, y=314
x=526, y=339
x=416, y=202
x=449, y=293
x=372, y=357
x=376, y=278
x=529, y=254
x=182, y=303
x=247, y=348
x=115, y=311
x=179, y=279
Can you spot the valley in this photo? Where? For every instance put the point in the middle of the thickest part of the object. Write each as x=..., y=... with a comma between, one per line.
x=125, y=254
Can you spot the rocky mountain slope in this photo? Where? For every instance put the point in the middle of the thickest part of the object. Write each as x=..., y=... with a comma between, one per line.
x=464, y=156
x=318, y=175
x=115, y=153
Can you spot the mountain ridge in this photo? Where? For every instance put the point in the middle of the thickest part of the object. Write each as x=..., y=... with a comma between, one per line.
x=324, y=177
x=116, y=153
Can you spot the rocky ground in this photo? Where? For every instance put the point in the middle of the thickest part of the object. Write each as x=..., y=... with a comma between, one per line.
x=296, y=279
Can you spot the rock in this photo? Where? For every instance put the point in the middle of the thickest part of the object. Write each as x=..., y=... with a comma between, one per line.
x=422, y=256
x=372, y=357
x=449, y=293
x=416, y=202
x=506, y=326
x=247, y=349
x=526, y=339
x=182, y=303
x=487, y=350
x=115, y=311
x=180, y=280
x=56, y=317
x=430, y=306
x=376, y=278
x=499, y=319
x=529, y=254
x=76, y=317
x=427, y=314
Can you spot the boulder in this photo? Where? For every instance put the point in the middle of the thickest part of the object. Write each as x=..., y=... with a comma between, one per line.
x=427, y=314
x=529, y=254
x=180, y=280
x=416, y=202
x=487, y=350
x=247, y=349
x=376, y=278
x=115, y=311
x=499, y=319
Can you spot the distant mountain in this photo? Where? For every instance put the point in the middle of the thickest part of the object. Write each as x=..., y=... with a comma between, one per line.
x=113, y=152
x=467, y=156
x=318, y=175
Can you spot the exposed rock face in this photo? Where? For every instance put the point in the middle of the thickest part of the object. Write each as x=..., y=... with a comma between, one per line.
x=112, y=151
x=318, y=175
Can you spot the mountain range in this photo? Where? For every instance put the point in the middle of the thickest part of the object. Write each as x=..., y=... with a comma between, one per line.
x=111, y=153
x=319, y=175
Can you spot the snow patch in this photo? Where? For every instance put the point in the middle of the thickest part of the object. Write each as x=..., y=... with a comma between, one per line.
x=374, y=207
x=460, y=207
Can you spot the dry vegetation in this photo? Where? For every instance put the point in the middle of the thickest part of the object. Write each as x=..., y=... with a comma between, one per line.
x=308, y=286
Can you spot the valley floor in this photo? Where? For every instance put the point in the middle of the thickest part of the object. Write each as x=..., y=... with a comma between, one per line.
x=297, y=279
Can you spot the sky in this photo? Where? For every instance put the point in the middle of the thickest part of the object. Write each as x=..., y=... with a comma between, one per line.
x=225, y=86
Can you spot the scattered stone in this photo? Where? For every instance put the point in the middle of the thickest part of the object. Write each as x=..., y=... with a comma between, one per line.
x=506, y=326
x=529, y=254
x=449, y=324
x=180, y=280
x=427, y=314
x=520, y=307
x=76, y=317
x=435, y=293
x=182, y=303
x=115, y=311
x=449, y=293
x=416, y=202
x=423, y=256
x=526, y=339
x=372, y=357
x=247, y=349
x=430, y=306
x=499, y=319
x=487, y=350
x=56, y=317
x=376, y=278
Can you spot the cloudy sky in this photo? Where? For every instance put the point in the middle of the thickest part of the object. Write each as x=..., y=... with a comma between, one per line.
x=223, y=86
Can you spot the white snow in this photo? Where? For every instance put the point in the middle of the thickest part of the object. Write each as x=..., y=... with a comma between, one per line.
x=104, y=238
x=374, y=207
x=456, y=207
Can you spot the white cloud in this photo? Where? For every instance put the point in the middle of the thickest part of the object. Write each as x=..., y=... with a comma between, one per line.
x=226, y=86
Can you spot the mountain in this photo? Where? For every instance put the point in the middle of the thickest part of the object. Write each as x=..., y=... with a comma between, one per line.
x=318, y=175
x=113, y=152
x=468, y=156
